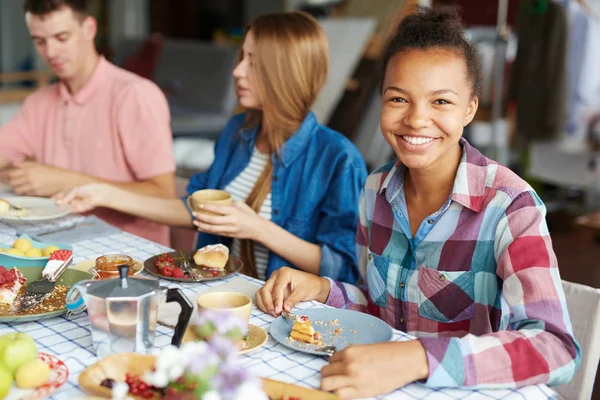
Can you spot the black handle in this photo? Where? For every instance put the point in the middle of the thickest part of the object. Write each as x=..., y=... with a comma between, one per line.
x=184, y=318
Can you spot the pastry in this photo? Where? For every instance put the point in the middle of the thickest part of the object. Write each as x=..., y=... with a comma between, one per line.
x=4, y=206
x=303, y=331
x=11, y=282
x=213, y=256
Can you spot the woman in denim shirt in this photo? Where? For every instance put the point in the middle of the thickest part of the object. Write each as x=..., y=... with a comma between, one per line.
x=298, y=181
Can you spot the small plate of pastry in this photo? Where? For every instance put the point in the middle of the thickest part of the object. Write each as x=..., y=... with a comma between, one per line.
x=207, y=263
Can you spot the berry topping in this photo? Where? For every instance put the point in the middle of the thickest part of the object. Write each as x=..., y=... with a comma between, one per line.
x=178, y=273
x=61, y=255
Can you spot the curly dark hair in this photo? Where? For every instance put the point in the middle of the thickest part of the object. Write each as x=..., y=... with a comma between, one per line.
x=44, y=7
x=428, y=28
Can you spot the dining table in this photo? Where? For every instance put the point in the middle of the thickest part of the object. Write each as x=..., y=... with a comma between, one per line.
x=69, y=337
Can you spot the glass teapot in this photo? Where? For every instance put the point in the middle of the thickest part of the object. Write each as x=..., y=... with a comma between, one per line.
x=123, y=311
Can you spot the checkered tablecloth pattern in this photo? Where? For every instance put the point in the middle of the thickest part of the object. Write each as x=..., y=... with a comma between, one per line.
x=70, y=339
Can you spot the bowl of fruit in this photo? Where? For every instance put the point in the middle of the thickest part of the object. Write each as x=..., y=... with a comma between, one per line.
x=26, y=373
x=26, y=252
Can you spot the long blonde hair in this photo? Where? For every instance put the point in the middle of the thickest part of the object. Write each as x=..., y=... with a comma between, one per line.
x=291, y=62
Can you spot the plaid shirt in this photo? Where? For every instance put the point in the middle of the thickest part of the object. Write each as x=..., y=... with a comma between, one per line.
x=478, y=284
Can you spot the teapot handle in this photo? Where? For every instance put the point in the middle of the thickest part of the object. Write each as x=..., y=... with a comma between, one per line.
x=74, y=300
x=184, y=317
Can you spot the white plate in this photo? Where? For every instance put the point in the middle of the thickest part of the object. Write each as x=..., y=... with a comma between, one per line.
x=34, y=209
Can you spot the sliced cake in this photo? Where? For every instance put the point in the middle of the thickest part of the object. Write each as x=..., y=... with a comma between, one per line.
x=11, y=282
x=303, y=331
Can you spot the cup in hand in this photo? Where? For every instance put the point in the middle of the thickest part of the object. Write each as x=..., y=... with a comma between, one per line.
x=208, y=196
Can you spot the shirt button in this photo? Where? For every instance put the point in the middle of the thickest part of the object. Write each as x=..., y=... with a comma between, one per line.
x=369, y=256
x=442, y=277
x=401, y=285
x=401, y=320
x=430, y=221
x=276, y=212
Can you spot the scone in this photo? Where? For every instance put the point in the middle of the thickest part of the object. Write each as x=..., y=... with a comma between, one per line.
x=303, y=331
x=213, y=256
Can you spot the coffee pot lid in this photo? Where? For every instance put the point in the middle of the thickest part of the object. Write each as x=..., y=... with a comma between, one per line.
x=124, y=286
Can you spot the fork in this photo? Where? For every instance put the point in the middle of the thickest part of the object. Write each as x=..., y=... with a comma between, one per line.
x=11, y=205
x=328, y=350
x=187, y=267
x=288, y=315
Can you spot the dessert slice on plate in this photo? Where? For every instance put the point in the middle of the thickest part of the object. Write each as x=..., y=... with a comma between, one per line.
x=303, y=331
x=11, y=282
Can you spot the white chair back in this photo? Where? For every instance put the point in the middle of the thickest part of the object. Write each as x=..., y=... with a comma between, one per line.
x=583, y=303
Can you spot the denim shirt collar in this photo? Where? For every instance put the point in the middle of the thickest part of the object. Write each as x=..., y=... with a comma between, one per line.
x=294, y=146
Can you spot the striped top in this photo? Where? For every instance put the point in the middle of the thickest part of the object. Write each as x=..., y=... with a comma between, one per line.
x=239, y=189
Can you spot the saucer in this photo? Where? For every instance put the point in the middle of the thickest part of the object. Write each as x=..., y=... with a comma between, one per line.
x=138, y=266
x=257, y=337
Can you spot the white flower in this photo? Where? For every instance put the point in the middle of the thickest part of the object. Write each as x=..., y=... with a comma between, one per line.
x=158, y=379
x=249, y=390
x=212, y=395
x=175, y=372
x=120, y=390
x=168, y=357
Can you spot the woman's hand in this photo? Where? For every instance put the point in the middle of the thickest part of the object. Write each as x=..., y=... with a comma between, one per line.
x=374, y=369
x=85, y=198
x=236, y=221
x=286, y=287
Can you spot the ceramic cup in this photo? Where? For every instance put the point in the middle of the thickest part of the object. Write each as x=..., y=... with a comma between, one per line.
x=236, y=303
x=208, y=196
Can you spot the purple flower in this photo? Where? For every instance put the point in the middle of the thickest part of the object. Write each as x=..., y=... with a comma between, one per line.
x=223, y=346
x=199, y=365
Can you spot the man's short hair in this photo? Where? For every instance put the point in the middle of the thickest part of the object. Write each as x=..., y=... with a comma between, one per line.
x=45, y=7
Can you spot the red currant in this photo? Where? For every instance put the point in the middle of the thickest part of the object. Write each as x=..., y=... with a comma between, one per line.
x=214, y=272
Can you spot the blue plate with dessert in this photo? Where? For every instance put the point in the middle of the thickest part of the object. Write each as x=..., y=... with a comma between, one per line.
x=316, y=330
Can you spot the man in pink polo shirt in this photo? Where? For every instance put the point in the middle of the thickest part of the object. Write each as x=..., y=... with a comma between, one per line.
x=99, y=123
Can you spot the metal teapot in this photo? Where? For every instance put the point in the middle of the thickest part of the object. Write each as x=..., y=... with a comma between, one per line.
x=123, y=311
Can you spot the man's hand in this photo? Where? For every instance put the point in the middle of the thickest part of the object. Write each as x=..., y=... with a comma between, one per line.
x=374, y=369
x=34, y=179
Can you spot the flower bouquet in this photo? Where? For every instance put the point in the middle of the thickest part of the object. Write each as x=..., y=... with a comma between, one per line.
x=207, y=369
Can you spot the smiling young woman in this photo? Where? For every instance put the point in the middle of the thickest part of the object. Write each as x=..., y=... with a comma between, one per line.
x=452, y=247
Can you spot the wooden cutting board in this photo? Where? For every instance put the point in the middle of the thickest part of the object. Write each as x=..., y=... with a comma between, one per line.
x=276, y=390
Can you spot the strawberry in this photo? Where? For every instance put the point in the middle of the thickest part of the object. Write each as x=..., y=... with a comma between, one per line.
x=167, y=271
x=178, y=273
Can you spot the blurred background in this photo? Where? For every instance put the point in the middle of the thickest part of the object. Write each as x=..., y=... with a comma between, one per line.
x=189, y=47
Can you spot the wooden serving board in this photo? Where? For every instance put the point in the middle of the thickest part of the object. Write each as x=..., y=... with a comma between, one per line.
x=277, y=389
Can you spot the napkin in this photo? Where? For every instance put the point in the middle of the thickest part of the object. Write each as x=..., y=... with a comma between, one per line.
x=168, y=313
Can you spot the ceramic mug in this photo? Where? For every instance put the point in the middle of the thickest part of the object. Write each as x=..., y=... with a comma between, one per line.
x=208, y=196
x=236, y=303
